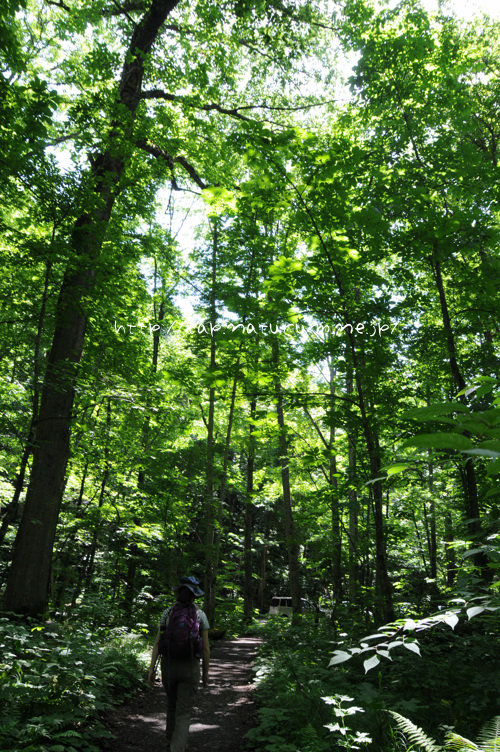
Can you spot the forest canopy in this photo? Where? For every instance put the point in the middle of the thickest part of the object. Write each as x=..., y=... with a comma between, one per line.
x=249, y=330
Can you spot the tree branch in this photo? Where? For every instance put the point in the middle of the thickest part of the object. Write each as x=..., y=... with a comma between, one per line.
x=52, y=142
x=129, y=7
x=318, y=429
x=191, y=171
x=231, y=111
x=160, y=94
x=170, y=161
x=59, y=4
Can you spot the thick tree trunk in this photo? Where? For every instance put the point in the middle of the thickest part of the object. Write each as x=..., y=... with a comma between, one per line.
x=27, y=584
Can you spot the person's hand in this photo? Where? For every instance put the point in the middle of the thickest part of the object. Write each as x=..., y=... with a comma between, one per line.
x=151, y=677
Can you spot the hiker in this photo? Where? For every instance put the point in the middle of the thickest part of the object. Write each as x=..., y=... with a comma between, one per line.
x=181, y=640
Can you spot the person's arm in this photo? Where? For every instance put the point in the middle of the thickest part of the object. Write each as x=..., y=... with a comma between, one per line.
x=154, y=659
x=206, y=656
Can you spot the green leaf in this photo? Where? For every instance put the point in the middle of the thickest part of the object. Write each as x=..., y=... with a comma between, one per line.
x=440, y=441
x=412, y=646
x=371, y=663
x=435, y=411
x=477, y=452
x=399, y=467
x=451, y=620
x=415, y=733
x=474, y=611
x=339, y=657
x=493, y=468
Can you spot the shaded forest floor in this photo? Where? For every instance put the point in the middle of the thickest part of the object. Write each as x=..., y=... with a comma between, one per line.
x=222, y=715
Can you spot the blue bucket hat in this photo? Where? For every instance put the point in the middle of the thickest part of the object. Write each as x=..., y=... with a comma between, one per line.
x=192, y=584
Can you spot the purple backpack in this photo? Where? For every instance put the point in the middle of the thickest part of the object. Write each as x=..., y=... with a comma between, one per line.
x=181, y=636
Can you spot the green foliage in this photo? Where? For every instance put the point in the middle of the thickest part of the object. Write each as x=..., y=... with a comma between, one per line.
x=58, y=678
x=478, y=425
x=298, y=706
x=488, y=739
x=415, y=734
x=451, y=682
x=368, y=232
x=404, y=632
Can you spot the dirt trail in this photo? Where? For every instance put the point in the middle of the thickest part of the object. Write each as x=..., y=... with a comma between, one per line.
x=222, y=715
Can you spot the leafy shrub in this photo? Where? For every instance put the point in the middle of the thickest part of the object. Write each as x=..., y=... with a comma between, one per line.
x=56, y=679
x=301, y=708
x=230, y=617
x=452, y=682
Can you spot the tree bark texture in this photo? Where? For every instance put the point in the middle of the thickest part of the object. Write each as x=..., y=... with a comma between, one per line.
x=27, y=584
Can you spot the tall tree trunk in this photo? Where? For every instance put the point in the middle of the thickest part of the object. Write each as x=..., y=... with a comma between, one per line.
x=263, y=566
x=335, y=502
x=290, y=535
x=79, y=500
x=146, y=428
x=212, y=502
x=468, y=475
x=27, y=584
x=104, y=480
x=384, y=611
x=352, y=497
x=248, y=521
x=449, y=551
x=419, y=541
x=431, y=523
x=12, y=509
x=133, y=554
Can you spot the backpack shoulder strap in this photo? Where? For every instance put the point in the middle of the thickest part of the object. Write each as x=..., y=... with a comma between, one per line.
x=165, y=617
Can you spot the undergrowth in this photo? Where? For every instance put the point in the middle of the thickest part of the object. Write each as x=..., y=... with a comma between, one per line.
x=57, y=679
x=306, y=705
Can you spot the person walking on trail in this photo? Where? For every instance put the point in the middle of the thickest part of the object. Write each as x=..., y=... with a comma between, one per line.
x=181, y=641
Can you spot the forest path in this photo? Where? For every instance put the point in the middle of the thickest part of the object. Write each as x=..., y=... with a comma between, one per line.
x=222, y=715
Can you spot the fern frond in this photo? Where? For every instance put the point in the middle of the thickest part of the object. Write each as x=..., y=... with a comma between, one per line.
x=415, y=734
x=489, y=737
x=460, y=743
